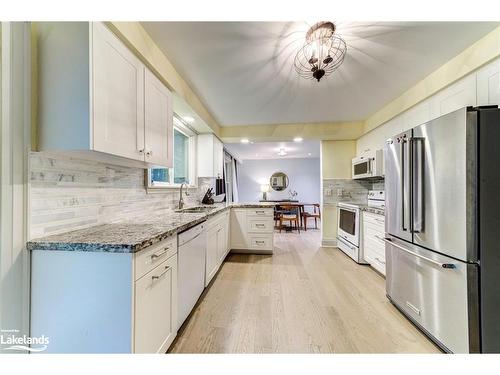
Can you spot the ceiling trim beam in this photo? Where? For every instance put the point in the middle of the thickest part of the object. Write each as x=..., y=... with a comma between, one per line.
x=286, y=132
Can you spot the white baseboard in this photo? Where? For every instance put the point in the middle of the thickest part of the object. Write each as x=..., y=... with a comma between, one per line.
x=329, y=242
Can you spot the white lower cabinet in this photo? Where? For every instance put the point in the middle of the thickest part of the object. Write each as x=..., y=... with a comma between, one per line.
x=217, y=244
x=156, y=308
x=373, y=246
x=107, y=302
x=252, y=230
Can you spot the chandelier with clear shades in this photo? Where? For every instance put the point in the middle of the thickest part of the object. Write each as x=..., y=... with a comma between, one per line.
x=322, y=52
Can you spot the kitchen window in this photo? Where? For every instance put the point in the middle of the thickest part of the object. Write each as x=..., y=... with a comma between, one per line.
x=184, y=161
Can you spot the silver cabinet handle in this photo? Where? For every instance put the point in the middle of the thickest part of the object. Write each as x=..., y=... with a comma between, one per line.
x=439, y=264
x=260, y=242
x=159, y=253
x=156, y=277
x=418, y=184
x=260, y=212
x=380, y=221
x=141, y=151
x=378, y=260
x=260, y=225
x=149, y=153
x=403, y=196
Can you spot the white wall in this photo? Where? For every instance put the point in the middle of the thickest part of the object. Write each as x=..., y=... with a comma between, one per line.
x=303, y=174
x=481, y=87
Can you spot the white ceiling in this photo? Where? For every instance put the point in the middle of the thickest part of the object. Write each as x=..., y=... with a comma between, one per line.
x=269, y=150
x=243, y=71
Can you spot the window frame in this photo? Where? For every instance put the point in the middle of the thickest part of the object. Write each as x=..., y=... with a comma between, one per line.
x=186, y=130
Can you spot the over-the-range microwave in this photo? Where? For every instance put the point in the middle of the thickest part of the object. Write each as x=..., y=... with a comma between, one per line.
x=370, y=165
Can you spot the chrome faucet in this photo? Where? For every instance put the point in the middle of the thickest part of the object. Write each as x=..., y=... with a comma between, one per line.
x=181, y=200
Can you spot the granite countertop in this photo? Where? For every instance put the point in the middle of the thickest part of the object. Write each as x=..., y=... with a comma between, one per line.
x=132, y=235
x=373, y=210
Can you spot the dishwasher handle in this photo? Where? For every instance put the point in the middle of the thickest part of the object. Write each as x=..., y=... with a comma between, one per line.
x=191, y=239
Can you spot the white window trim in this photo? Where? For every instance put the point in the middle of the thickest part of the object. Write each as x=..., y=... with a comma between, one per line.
x=159, y=187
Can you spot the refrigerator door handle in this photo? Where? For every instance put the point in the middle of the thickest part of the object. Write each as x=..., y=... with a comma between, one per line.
x=418, y=184
x=439, y=264
x=403, y=196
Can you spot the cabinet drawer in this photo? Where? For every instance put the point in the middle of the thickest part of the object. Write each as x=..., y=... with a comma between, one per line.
x=374, y=219
x=260, y=225
x=152, y=256
x=375, y=261
x=156, y=308
x=266, y=212
x=260, y=242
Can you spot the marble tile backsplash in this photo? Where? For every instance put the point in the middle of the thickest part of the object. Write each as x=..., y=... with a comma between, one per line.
x=69, y=194
x=348, y=190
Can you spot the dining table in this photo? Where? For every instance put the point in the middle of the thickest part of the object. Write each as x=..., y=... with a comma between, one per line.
x=294, y=203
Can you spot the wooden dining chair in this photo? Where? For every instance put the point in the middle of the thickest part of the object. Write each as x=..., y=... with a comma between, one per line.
x=290, y=213
x=316, y=214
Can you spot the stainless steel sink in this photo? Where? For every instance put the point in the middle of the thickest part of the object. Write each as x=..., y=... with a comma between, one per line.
x=198, y=209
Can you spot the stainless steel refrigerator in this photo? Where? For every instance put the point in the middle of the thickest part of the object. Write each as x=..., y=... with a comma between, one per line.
x=442, y=183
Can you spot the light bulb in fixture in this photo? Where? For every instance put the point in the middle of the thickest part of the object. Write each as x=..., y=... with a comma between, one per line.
x=188, y=119
x=308, y=154
x=298, y=139
x=282, y=152
x=245, y=140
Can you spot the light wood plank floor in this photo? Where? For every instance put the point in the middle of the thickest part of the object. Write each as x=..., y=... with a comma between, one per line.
x=303, y=299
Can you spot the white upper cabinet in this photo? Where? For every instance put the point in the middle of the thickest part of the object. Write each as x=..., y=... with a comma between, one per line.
x=488, y=84
x=118, y=96
x=158, y=113
x=460, y=94
x=210, y=156
x=96, y=95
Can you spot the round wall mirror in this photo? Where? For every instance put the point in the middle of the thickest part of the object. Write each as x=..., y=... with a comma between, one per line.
x=278, y=181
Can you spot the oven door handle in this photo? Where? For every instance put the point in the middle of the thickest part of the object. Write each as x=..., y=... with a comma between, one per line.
x=435, y=262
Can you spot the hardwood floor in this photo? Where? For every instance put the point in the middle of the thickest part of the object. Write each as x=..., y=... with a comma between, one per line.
x=303, y=299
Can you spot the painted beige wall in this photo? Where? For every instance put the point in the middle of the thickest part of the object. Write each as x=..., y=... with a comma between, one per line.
x=336, y=157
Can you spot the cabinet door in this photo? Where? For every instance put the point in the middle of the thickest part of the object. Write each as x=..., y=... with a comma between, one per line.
x=212, y=254
x=221, y=243
x=488, y=84
x=156, y=308
x=238, y=228
x=158, y=121
x=218, y=157
x=117, y=96
x=460, y=94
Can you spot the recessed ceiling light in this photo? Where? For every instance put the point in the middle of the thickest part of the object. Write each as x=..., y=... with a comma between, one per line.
x=188, y=119
x=245, y=140
x=298, y=139
x=308, y=154
x=282, y=152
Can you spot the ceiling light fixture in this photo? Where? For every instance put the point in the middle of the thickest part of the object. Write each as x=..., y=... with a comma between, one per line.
x=188, y=119
x=245, y=140
x=322, y=52
x=282, y=152
x=298, y=139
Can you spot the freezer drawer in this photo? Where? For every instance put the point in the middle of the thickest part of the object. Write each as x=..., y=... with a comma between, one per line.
x=432, y=290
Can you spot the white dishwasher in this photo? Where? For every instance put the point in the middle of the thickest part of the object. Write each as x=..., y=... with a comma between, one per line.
x=191, y=256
